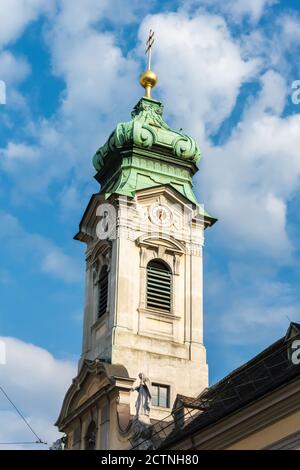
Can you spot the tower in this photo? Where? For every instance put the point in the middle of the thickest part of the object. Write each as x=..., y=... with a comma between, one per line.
x=144, y=234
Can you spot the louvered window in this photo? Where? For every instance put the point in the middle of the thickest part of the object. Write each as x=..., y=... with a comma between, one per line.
x=159, y=285
x=103, y=291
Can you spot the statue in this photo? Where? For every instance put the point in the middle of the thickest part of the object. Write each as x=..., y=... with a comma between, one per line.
x=143, y=402
x=141, y=428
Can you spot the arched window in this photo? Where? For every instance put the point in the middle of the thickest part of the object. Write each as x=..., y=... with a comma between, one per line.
x=159, y=285
x=103, y=291
x=90, y=437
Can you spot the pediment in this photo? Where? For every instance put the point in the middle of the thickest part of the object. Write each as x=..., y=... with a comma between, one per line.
x=90, y=387
x=168, y=243
x=89, y=219
x=166, y=194
x=92, y=378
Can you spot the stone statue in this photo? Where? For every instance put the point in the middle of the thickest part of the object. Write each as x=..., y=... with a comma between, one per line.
x=143, y=401
x=141, y=426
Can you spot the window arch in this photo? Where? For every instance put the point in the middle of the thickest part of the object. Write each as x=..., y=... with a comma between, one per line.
x=159, y=285
x=103, y=291
x=90, y=437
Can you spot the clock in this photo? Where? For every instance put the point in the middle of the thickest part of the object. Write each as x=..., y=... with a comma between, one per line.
x=161, y=215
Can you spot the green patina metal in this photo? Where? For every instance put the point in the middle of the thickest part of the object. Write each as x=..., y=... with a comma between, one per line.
x=133, y=170
x=145, y=152
x=147, y=129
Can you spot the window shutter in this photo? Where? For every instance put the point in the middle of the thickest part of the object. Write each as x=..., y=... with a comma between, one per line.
x=159, y=288
x=103, y=292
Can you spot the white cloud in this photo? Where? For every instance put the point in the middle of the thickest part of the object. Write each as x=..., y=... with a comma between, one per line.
x=290, y=30
x=100, y=85
x=256, y=173
x=249, y=303
x=15, y=15
x=60, y=265
x=235, y=9
x=13, y=69
x=99, y=79
x=36, y=382
x=76, y=17
x=248, y=180
x=257, y=323
x=253, y=9
x=41, y=252
x=48, y=159
x=89, y=82
x=16, y=151
x=200, y=68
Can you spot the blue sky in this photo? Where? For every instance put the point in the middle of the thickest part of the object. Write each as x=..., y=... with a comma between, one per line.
x=225, y=76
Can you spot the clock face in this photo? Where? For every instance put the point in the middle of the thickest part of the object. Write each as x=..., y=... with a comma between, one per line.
x=161, y=215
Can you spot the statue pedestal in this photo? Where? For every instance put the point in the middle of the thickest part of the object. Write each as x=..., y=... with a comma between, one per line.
x=141, y=433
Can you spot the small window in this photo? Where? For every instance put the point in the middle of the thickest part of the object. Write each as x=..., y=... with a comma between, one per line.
x=160, y=395
x=103, y=291
x=90, y=437
x=159, y=285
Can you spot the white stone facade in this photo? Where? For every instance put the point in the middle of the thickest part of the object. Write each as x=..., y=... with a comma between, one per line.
x=166, y=346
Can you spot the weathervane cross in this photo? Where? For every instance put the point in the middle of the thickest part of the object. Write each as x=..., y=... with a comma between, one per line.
x=148, y=79
x=149, y=45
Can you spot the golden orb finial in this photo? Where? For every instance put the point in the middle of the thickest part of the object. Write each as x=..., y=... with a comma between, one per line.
x=148, y=79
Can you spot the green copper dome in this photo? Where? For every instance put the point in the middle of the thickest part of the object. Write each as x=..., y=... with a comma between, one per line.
x=146, y=153
x=148, y=130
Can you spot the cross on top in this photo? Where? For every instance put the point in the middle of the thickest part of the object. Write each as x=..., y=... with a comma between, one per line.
x=149, y=45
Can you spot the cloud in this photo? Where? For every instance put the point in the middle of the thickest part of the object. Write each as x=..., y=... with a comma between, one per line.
x=36, y=382
x=290, y=28
x=75, y=18
x=18, y=151
x=17, y=14
x=257, y=173
x=209, y=73
x=254, y=9
x=41, y=251
x=249, y=178
x=90, y=106
x=251, y=305
x=236, y=10
x=15, y=17
x=254, y=182
x=60, y=265
x=13, y=69
x=201, y=68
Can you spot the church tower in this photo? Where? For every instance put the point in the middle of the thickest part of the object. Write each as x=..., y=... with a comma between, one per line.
x=144, y=233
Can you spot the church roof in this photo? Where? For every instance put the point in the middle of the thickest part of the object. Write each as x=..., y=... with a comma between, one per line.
x=264, y=373
x=147, y=129
x=261, y=375
x=97, y=368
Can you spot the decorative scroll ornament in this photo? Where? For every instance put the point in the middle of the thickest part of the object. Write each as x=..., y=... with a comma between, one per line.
x=186, y=147
x=147, y=129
